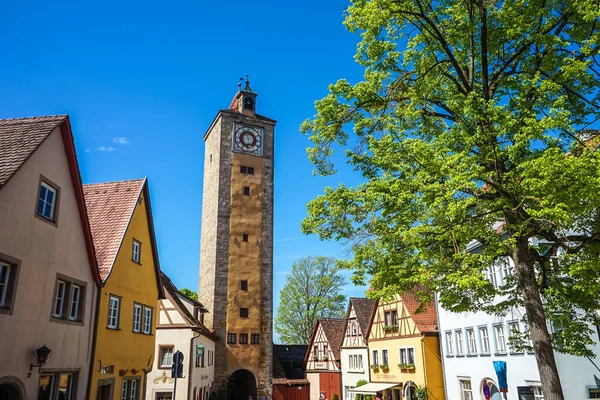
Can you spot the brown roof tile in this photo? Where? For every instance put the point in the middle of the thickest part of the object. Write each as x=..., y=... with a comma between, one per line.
x=363, y=309
x=19, y=138
x=109, y=207
x=334, y=331
x=425, y=321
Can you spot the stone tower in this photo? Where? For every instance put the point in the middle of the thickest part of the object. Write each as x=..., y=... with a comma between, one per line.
x=236, y=250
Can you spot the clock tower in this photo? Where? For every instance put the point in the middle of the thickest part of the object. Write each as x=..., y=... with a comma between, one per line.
x=236, y=249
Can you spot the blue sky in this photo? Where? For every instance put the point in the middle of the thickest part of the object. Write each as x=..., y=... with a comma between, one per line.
x=142, y=81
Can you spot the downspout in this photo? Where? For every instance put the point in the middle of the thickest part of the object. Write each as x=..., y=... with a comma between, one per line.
x=94, y=340
x=192, y=356
x=437, y=311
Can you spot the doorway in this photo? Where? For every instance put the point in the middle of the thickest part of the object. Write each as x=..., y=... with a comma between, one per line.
x=241, y=385
x=104, y=392
x=10, y=392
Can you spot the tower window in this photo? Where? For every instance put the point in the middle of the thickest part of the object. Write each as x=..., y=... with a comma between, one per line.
x=246, y=170
x=231, y=338
x=245, y=237
x=248, y=103
x=244, y=285
x=254, y=338
x=243, y=338
x=244, y=314
x=246, y=190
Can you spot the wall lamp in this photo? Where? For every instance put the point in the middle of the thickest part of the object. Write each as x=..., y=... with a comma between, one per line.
x=41, y=356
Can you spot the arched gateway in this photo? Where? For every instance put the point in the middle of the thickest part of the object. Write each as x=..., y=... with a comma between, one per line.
x=241, y=385
x=10, y=392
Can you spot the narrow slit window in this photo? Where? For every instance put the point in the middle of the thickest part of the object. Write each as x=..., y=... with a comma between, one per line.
x=243, y=313
x=245, y=237
x=246, y=191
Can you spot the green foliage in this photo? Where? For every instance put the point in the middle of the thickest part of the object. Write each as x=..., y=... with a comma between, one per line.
x=374, y=366
x=313, y=289
x=335, y=396
x=422, y=393
x=361, y=383
x=464, y=119
x=406, y=366
x=189, y=293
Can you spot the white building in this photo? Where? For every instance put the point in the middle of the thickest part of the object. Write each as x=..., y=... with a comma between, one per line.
x=354, y=350
x=472, y=341
x=180, y=328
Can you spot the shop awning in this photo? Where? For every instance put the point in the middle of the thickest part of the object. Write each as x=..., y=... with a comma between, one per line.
x=372, y=388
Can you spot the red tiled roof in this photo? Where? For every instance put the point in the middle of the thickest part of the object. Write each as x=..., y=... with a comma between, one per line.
x=110, y=207
x=425, y=321
x=19, y=138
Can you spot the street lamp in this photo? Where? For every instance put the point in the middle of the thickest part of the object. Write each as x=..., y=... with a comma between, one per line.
x=41, y=356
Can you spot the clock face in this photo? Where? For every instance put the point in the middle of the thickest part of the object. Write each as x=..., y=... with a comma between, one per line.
x=248, y=139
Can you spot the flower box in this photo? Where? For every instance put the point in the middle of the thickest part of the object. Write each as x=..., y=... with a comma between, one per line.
x=390, y=328
x=406, y=366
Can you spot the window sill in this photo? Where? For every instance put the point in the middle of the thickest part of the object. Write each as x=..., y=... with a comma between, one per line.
x=356, y=371
x=113, y=329
x=500, y=353
x=137, y=262
x=485, y=354
x=449, y=355
x=472, y=355
x=516, y=353
x=46, y=220
x=65, y=321
x=459, y=355
x=6, y=310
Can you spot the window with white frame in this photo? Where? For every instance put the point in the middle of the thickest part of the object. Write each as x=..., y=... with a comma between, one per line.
x=536, y=388
x=67, y=304
x=354, y=329
x=47, y=201
x=384, y=357
x=484, y=338
x=59, y=299
x=508, y=269
x=449, y=343
x=147, y=320
x=375, y=357
x=513, y=330
x=459, y=342
x=165, y=396
x=137, y=317
x=471, y=341
x=466, y=392
x=360, y=361
x=593, y=392
x=5, y=273
x=57, y=386
x=406, y=356
x=491, y=275
x=136, y=250
x=130, y=389
x=165, y=356
x=114, y=311
x=500, y=337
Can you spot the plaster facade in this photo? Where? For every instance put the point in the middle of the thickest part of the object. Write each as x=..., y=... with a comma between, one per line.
x=40, y=252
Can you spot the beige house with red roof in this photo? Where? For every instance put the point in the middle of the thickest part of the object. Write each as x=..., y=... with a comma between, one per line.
x=48, y=273
x=322, y=360
x=120, y=217
x=404, y=350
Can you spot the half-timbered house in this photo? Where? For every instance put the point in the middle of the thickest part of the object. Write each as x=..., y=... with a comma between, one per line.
x=354, y=352
x=404, y=350
x=322, y=361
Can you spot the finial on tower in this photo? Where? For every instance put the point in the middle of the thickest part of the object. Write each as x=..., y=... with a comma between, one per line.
x=247, y=88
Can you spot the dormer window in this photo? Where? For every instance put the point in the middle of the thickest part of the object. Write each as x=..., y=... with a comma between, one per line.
x=248, y=103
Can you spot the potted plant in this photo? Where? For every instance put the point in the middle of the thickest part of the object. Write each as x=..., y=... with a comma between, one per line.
x=422, y=393
x=374, y=367
x=406, y=366
x=384, y=367
x=315, y=357
x=325, y=357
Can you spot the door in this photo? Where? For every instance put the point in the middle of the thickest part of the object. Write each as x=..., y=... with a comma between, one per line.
x=104, y=392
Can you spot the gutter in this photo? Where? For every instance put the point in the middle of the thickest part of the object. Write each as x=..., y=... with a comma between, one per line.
x=94, y=340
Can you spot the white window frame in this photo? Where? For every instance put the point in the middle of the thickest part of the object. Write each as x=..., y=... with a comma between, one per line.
x=507, y=269
x=588, y=389
x=510, y=325
x=375, y=356
x=75, y=302
x=137, y=317
x=113, y=320
x=499, y=344
x=385, y=351
x=59, y=300
x=354, y=329
x=407, y=351
x=161, y=356
x=471, y=341
x=136, y=251
x=484, y=340
x=47, y=204
x=449, y=343
x=130, y=389
x=464, y=392
x=147, y=320
x=4, y=285
x=460, y=345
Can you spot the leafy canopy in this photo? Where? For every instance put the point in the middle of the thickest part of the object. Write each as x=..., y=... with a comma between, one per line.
x=313, y=289
x=189, y=293
x=463, y=120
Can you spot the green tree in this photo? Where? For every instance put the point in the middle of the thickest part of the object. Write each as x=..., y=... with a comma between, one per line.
x=189, y=293
x=312, y=290
x=461, y=129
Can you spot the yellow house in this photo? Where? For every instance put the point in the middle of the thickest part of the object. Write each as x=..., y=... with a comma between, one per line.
x=404, y=350
x=123, y=234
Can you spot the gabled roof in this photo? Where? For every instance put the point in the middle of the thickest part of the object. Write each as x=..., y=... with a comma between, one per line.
x=20, y=138
x=110, y=207
x=334, y=332
x=175, y=296
x=363, y=308
x=425, y=321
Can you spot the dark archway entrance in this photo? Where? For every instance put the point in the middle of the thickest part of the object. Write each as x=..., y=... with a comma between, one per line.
x=9, y=392
x=240, y=385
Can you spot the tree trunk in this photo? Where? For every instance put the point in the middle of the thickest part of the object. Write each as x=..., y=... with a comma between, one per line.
x=538, y=328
